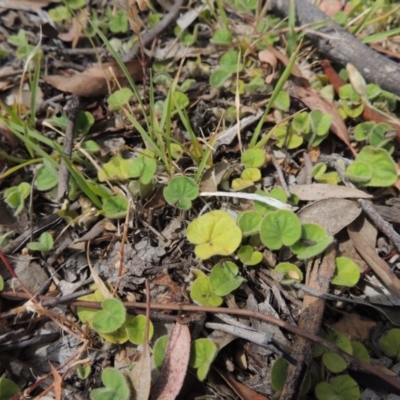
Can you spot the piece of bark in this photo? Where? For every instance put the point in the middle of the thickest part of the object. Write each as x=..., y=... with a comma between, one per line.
x=341, y=46
x=319, y=276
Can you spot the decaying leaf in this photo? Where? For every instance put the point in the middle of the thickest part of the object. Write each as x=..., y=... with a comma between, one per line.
x=176, y=361
x=320, y=191
x=141, y=375
x=98, y=80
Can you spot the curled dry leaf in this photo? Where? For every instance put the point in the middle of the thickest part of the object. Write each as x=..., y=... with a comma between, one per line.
x=174, y=367
x=98, y=80
x=266, y=56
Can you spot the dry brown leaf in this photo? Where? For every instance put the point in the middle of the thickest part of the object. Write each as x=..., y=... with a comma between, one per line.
x=79, y=22
x=214, y=176
x=176, y=361
x=97, y=80
x=24, y=5
x=266, y=56
x=368, y=253
x=314, y=101
x=320, y=191
x=141, y=375
x=355, y=327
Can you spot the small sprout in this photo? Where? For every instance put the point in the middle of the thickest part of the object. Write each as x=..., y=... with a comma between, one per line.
x=253, y=158
x=15, y=196
x=116, y=386
x=224, y=278
x=319, y=127
x=118, y=21
x=291, y=273
x=214, y=233
x=248, y=256
x=342, y=387
x=315, y=234
x=202, y=354
x=46, y=177
x=221, y=37
x=136, y=328
x=249, y=222
x=8, y=389
x=248, y=178
x=334, y=362
x=180, y=192
x=280, y=228
x=320, y=175
x=115, y=207
x=110, y=318
x=390, y=344
x=83, y=371
x=44, y=244
x=383, y=167
x=119, y=98
x=229, y=65
x=159, y=350
x=347, y=272
x=84, y=121
x=143, y=167
x=287, y=136
x=201, y=293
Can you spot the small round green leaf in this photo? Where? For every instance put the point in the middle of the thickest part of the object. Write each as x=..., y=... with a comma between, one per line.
x=313, y=241
x=221, y=37
x=282, y=101
x=180, y=192
x=359, y=172
x=46, y=178
x=249, y=222
x=224, y=279
x=347, y=272
x=253, y=158
x=334, y=362
x=119, y=98
x=219, y=77
x=291, y=273
x=390, y=343
x=214, y=233
x=201, y=293
x=248, y=256
x=339, y=388
x=136, y=328
x=115, y=207
x=280, y=228
x=83, y=371
x=202, y=354
x=110, y=318
x=142, y=167
x=278, y=374
x=159, y=350
x=230, y=62
x=360, y=352
x=116, y=386
x=363, y=130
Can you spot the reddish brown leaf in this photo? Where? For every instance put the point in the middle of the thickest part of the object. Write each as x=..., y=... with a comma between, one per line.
x=173, y=370
x=98, y=80
x=141, y=375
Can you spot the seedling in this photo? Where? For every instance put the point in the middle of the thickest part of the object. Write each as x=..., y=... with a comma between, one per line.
x=229, y=65
x=313, y=241
x=202, y=354
x=117, y=21
x=15, y=196
x=224, y=279
x=321, y=176
x=347, y=272
x=248, y=256
x=291, y=273
x=44, y=244
x=390, y=344
x=116, y=386
x=253, y=158
x=83, y=371
x=110, y=318
x=375, y=164
x=249, y=222
x=20, y=41
x=214, y=233
x=280, y=228
x=221, y=37
x=119, y=98
x=46, y=177
x=180, y=192
x=375, y=135
x=248, y=178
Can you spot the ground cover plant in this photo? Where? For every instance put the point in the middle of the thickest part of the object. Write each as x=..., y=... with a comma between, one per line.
x=199, y=199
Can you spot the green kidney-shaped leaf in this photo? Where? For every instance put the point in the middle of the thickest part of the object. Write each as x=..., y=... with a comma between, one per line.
x=143, y=167
x=249, y=222
x=291, y=272
x=253, y=158
x=46, y=178
x=339, y=388
x=136, y=328
x=219, y=77
x=202, y=354
x=383, y=167
x=282, y=101
x=115, y=207
x=230, y=62
x=278, y=374
x=180, y=192
x=347, y=272
x=116, y=386
x=359, y=172
x=390, y=343
x=360, y=352
x=116, y=169
x=221, y=37
x=363, y=130
x=248, y=256
x=119, y=98
x=280, y=228
x=8, y=389
x=201, y=293
x=313, y=241
x=110, y=318
x=159, y=350
x=334, y=362
x=214, y=233
x=224, y=279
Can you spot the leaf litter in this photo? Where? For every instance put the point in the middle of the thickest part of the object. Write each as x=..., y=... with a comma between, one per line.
x=220, y=122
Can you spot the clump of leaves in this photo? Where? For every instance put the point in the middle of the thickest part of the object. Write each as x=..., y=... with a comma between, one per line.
x=209, y=290
x=229, y=64
x=15, y=196
x=214, y=233
x=20, y=41
x=44, y=244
